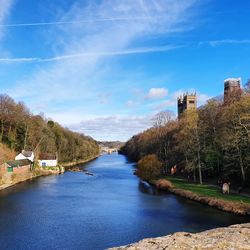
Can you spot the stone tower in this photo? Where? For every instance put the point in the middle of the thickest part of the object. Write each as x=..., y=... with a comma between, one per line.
x=186, y=102
x=232, y=89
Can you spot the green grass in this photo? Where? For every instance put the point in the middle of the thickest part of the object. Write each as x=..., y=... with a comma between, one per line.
x=206, y=190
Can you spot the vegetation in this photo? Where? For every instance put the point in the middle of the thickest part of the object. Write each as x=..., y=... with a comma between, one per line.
x=19, y=129
x=212, y=142
x=206, y=190
x=6, y=154
x=149, y=167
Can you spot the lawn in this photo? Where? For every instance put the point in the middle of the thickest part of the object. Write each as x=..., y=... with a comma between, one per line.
x=206, y=190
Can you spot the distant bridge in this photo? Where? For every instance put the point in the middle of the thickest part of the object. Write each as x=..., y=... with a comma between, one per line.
x=109, y=150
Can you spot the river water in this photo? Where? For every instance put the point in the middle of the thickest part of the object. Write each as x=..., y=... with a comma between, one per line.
x=111, y=208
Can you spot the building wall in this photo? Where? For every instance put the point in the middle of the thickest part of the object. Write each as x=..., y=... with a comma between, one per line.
x=21, y=170
x=47, y=163
x=19, y=174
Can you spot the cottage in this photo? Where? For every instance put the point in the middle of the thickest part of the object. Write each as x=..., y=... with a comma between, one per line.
x=25, y=155
x=18, y=166
x=47, y=160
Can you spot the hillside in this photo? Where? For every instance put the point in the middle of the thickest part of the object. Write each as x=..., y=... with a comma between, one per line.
x=20, y=129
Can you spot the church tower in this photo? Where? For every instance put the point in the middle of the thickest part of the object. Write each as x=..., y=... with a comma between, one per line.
x=232, y=89
x=186, y=102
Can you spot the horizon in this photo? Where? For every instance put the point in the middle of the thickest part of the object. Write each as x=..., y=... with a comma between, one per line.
x=105, y=68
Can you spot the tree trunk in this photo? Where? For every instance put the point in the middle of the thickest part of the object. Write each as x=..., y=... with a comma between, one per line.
x=199, y=167
x=199, y=157
x=25, y=137
x=241, y=165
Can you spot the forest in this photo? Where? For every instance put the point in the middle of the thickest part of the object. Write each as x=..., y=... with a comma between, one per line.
x=20, y=129
x=210, y=143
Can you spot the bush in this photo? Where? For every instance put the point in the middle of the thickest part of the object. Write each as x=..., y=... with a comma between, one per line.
x=163, y=184
x=149, y=167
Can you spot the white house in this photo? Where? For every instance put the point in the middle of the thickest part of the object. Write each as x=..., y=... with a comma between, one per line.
x=29, y=155
x=47, y=160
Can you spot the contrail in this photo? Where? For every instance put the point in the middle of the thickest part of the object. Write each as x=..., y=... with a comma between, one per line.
x=89, y=54
x=82, y=21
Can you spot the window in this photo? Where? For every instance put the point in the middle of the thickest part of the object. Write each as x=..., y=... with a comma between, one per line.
x=191, y=102
x=44, y=164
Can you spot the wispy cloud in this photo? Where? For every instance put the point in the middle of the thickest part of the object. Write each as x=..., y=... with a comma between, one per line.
x=215, y=43
x=110, y=19
x=5, y=7
x=157, y=93
x=92, y=54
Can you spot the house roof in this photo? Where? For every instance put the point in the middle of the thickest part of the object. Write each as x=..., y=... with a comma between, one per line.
x=46, y=156
x=18, y=163
x=27, y=153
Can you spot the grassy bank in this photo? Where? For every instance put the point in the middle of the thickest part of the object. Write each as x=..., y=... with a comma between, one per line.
x=206, y=190
x=205, y=194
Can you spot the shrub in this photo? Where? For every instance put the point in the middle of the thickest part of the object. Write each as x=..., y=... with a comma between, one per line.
x=149, y=167
x=163, y=184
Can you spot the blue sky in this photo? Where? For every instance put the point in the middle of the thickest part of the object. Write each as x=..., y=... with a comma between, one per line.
x=106, y=67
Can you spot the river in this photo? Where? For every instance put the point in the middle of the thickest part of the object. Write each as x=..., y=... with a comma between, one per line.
x=111, y=208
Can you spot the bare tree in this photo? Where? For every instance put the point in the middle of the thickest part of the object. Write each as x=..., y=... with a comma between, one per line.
x=162, y=118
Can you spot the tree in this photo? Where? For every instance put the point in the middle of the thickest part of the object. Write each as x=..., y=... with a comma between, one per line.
x=149, y=167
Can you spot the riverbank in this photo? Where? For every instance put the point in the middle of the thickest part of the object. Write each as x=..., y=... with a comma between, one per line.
x=68, y=165
x=232, y=237
x=205, y=194
x=15, y=179
x=19, y=178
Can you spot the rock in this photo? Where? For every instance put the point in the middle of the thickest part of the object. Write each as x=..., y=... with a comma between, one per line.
x=233, y=237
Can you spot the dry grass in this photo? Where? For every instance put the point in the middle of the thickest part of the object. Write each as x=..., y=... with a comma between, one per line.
x=6, y=154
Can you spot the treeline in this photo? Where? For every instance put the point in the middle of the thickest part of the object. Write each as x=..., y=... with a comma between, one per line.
x=20, y=129
x=212, y=142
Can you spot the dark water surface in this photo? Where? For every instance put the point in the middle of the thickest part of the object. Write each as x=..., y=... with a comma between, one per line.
x=111, y=208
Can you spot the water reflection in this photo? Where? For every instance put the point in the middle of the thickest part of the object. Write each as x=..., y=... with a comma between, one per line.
x=146, y=188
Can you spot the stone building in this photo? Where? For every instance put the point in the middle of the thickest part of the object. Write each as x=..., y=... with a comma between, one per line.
x=186, y=102
x=232, y=89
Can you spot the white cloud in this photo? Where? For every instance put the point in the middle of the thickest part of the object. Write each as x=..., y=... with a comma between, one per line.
x=157, y=93
x=131, y=103
x=5, y=7
x=113, y=127
x=202, y=98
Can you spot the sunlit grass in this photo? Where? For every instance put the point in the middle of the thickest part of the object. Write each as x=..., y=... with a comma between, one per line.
x=206, y=190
